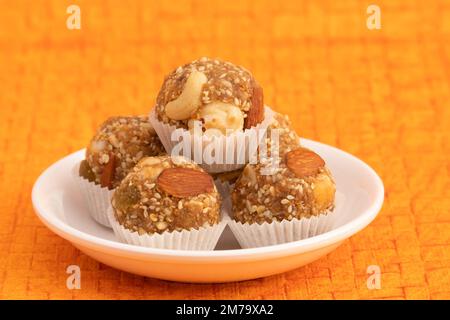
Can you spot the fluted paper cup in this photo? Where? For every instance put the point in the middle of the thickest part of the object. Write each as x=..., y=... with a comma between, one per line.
x=239, y=155
x=97, y=198
x=204, y=238
x=278, y=232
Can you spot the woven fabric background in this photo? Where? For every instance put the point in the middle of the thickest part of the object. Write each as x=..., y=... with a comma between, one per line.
x=382, y=95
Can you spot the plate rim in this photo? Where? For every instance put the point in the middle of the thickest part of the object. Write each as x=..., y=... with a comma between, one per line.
x=337, y=235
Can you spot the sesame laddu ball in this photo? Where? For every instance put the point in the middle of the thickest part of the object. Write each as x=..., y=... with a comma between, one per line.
x=300, y=187
x=117, y=146
x=166, y=194
x=288, y=139
x=219, y=94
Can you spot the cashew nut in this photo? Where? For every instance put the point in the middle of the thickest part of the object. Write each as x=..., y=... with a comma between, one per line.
x=222, y=116
x=149, y=168
x=189, y=100
x=324, y=190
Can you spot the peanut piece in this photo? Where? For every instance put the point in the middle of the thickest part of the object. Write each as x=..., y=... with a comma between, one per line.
x=148, y=161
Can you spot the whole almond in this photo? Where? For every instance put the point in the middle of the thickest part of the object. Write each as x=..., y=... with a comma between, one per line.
x=256, y=113
x=184, y=182
x=303, y=162
x=109, y=169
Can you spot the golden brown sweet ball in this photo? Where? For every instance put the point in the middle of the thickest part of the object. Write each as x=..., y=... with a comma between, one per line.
x=285, y=133
x=117, y=146
x=219, y=94
x=166, y=194
x=300, y=187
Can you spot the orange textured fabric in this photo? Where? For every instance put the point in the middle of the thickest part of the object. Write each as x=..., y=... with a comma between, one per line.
x=382, y=95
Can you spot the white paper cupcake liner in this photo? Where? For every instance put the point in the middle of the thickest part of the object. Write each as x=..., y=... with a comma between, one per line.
x=277, y=232
x=240, y=140
x=205, y=238
x=98, y=199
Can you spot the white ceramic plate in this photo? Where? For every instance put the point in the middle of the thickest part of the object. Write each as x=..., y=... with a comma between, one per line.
x=59, y=205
